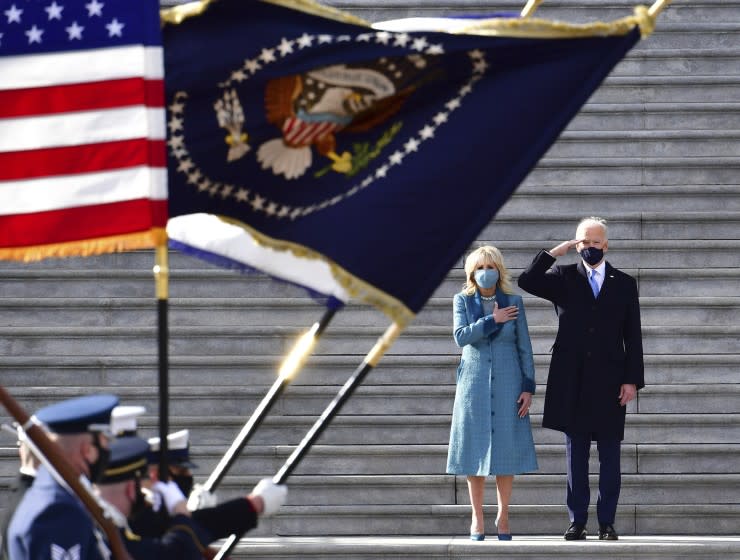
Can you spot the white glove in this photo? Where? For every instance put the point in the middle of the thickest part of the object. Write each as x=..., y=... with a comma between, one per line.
x=201, y=498
x=153, y=498
x=171, y=494
x=273, y=495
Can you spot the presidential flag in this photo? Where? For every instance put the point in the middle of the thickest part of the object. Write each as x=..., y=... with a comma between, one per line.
x=82, y=127
x=356, y=160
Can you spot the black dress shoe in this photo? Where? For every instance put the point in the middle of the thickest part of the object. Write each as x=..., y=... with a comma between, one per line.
x=576, y=532
x=607, y=533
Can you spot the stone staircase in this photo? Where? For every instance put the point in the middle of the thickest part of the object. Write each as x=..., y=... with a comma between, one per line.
x=656, y=151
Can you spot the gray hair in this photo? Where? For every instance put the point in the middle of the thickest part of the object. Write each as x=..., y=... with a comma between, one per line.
x=594, y=221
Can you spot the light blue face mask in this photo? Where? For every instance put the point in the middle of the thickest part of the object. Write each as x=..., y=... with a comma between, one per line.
x=486, y=278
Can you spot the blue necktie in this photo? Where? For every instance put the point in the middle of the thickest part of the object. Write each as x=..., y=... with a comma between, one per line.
x=594, y=283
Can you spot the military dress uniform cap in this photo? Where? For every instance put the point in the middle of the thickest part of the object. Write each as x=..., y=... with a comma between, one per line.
x=79, y=415
x=128, y=460
x=178, y=450
x=123, y=420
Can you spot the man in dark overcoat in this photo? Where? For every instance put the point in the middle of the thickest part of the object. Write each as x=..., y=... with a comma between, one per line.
x=596, y=366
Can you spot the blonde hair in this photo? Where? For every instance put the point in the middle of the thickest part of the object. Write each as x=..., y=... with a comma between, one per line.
x=487, y=254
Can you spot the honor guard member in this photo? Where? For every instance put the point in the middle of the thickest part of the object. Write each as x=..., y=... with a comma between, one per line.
x=26, y=476
x=178, y=459
x=121, y=488
x=50, y=521
x=235, y=516
x=123, y=420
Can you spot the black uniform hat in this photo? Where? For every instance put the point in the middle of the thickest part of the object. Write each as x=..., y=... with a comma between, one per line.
x=127, y=460
x=79, y=415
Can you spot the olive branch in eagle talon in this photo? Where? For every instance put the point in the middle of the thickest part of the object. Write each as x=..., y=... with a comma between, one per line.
x=230, y=116
x=363, y=155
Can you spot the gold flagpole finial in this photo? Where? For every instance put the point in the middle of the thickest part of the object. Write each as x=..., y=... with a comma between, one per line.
x=646, y=16
x=531, y=6
x=658, y=6
x=177, y=14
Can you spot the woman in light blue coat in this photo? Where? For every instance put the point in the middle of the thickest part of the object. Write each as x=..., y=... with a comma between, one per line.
x=491, y=432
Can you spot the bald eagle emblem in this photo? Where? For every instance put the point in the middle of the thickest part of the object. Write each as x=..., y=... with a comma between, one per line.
x=311, y=109
x=341, y=128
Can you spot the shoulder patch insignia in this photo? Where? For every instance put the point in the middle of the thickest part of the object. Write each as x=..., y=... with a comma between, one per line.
x=59, y=553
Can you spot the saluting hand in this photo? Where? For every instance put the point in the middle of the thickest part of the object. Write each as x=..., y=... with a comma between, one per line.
x=504, y=314
x=564, y=247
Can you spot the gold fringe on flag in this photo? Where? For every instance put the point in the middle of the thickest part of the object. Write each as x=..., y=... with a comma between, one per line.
x=355, y=287
x=524, y=27
x=87, y=247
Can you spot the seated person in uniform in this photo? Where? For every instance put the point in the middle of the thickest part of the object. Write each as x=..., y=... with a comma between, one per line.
x=50, y=521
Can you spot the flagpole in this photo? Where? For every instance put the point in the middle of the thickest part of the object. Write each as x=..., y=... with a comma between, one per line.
x=334, y=407
x=530, y=7
x=161, y=277
x=295, y=359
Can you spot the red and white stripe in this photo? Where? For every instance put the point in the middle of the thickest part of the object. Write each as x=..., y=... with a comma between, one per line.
x=298, y=133
x=82, y=145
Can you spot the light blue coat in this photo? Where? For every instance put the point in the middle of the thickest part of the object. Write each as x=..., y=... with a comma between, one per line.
x=487, y=436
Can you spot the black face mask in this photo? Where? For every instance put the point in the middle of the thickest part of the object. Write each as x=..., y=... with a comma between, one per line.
x=184, y=481
x=592, y=255
x=140, y=505
x=98, y=467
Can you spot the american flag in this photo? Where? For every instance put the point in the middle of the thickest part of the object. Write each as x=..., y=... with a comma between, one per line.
x=82, y=127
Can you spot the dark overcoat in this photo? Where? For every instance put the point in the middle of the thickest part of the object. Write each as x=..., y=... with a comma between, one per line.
x=598, y=346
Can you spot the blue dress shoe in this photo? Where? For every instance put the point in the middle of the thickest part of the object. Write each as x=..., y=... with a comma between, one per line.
x=477, y=536
x=504, y=536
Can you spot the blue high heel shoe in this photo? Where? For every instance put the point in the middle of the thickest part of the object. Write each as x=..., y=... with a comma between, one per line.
x=503, y=536
x=477, y=537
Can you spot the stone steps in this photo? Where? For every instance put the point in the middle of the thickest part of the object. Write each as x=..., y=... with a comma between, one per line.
x=667, y=459
x=91, y=372
x=401, y=398
x=663, y=462
x=433, y=429
x=278, y=340
x=684, y=117
x=114, y=312
x=608, y=171
x=194, y=280
x=513, y=226
x=530, y=547
x=434, y=520
x=644, y=143
x=528, y=489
